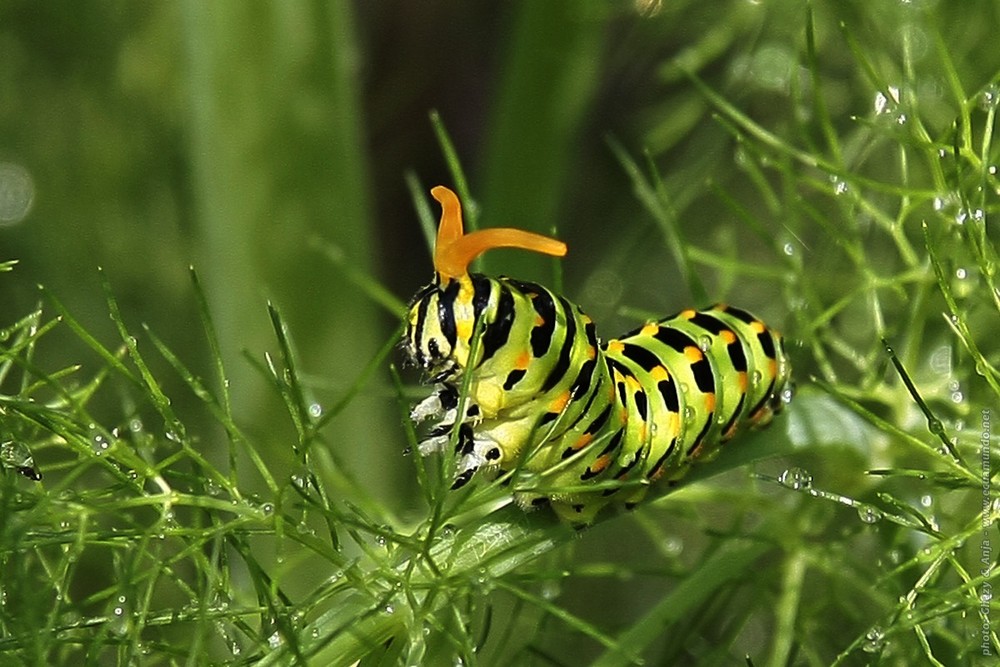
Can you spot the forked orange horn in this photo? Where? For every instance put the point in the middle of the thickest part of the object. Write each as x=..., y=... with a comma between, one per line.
x=455, y=250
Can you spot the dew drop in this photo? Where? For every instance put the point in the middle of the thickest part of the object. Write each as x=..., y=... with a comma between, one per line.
x=874, y=640
x=315, y=410
x=98, y=441
x=869, y=514
x=672, y=545
x=796, y=478
x=940, y=360
x=787, y=394
x=17, y=193
x=550, y=590
x=704, y=343
x=989, y=98
x=689, y=414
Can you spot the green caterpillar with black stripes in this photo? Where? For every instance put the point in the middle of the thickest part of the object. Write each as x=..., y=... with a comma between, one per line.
x=583, y=423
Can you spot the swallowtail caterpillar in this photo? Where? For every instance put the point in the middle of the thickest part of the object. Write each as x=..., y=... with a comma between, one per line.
x=595, y=422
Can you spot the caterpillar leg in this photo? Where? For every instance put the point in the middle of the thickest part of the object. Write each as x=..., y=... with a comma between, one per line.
x=441, y=404
x=475, y=449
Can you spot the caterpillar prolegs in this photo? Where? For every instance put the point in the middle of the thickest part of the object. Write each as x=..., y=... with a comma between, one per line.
x=587, y=423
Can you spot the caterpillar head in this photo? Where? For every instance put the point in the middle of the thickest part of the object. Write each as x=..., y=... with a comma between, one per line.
x=442, y=315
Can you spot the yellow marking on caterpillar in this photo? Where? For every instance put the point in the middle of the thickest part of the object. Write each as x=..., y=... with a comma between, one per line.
x=650, y=329
x=659, y=374
x=728, y=335
x=693, y=354
x=710, y=402
x=582, y=441
x=523, y=361
x=615, y=346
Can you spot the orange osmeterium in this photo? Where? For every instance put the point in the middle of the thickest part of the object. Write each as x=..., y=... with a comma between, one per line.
x=455, y=249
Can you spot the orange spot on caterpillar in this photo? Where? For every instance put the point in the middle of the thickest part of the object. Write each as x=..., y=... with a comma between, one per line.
x=693, y=354
x=728, y=336
x=758, y=327
x=650, y=329
x=710, y=402
x=688, y=314
x=600, y=464
x=523, y=361
x=559, y=403
x=582, y=441
x=623, y=416
x=539, y=320
x=615, y=347
x=741, y=379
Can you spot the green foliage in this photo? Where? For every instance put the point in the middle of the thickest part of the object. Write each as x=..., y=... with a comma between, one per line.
x=830, y=166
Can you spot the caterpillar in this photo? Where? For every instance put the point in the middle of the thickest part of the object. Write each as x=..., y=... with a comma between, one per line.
x=585, y=423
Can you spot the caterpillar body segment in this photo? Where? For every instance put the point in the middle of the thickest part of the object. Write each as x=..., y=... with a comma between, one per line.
x=585, y=423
